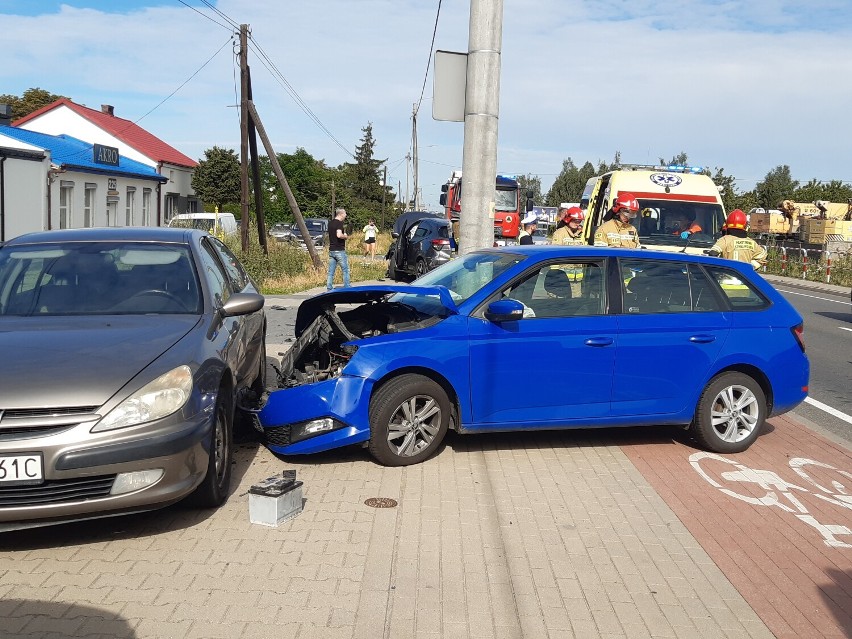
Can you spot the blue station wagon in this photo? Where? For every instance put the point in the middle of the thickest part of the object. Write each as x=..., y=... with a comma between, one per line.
x=647, y=338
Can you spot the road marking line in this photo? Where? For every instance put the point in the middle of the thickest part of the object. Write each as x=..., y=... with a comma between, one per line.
x=843, y=328
x=828, y=409
x=816, y=297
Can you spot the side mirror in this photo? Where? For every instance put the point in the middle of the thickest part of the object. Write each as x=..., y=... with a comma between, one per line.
x=394, y=234
x=530, y=202
x=242, y=304
x=443, y=199
x=505, y=310
x=444, y=188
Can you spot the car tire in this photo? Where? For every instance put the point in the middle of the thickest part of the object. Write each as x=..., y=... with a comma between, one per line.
x=420, y=268
x=391, y=270
x=730, y=413
x=409, y=441
x=213, y=489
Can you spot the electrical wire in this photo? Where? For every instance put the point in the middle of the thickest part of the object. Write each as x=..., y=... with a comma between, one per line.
x=227, y=19
x=230, y=39
x=139, y=119
x=429, y=62
x=267, y=62
x=204, y=15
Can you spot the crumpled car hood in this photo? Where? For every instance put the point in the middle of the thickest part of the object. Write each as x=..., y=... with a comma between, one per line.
x=79, y=361
x=313, y=307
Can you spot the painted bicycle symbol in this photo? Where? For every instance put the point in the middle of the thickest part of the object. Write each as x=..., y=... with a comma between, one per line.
x=835, y=488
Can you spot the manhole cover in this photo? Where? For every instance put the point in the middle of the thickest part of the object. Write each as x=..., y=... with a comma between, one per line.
x=380, y=502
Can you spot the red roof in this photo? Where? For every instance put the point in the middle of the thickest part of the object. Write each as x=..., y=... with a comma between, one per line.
x=125, y=130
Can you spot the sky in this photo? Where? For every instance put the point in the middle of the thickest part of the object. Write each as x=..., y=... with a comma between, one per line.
x=744, y=85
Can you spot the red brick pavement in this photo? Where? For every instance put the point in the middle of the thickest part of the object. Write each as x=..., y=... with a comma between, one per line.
x=774, y=552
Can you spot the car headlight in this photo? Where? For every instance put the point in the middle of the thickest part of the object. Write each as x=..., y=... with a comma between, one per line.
x=158, y=398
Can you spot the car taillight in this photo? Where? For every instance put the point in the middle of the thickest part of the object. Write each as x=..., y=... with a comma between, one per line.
x=799, y=334
x=439, y=244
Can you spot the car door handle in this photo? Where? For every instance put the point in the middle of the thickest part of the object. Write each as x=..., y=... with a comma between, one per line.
x=598, y=341
x=702, y=339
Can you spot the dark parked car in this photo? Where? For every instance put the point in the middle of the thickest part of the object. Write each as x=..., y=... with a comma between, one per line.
x=612, y=337
x=317, y=229
x=125, y=354
x=421, y=246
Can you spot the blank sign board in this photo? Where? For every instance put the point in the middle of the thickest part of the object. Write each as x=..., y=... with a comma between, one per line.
x=450, y=79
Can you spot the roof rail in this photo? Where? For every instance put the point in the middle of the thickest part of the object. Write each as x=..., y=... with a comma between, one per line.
x=670, y=168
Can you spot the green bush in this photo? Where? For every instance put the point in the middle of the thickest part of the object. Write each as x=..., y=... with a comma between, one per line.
x=841, y=265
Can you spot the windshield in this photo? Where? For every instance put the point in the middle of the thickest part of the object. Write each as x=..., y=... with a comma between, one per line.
x=464, y=275
x=506, y=199
x=97, y=278
x=201, y=223
x=663, y=222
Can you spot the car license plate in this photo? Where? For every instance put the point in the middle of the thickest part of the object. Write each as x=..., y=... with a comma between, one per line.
x=21, y=469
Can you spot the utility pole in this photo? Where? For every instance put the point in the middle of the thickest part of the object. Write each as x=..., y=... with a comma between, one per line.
x=244, y=117
x=255, y=176
x=414, y=164
x=384, y=192
x=407, y=160
x=482, y=106
x=332, y=198
x=276, y=167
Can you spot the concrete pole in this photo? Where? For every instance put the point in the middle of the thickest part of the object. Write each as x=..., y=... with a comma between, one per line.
x=482, y=107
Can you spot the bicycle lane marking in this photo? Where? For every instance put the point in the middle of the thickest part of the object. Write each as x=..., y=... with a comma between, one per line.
x=776, y=557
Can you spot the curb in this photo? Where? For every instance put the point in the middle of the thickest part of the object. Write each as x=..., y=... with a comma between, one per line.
x=807, y=284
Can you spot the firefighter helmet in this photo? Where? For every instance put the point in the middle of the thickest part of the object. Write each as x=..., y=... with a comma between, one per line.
x=626, y=203
x=736, y=220
x=575, y=213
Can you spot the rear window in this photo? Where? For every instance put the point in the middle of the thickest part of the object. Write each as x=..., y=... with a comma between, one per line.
x=741, y=293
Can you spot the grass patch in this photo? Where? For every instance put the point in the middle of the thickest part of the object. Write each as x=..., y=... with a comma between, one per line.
x=288, y=269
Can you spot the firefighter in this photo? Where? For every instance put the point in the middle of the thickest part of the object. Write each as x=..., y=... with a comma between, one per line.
x=572, y=233
x=618, y=231
x=561, y=219
x=736, y=245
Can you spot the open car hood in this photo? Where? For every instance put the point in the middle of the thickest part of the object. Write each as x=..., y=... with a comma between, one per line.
x=313, y=307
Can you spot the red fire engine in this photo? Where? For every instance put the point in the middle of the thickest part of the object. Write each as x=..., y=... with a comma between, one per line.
x=508, y=210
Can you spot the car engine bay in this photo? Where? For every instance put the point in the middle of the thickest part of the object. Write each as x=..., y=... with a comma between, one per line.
x=323, y=349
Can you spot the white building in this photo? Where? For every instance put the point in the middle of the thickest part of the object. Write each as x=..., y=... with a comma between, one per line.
x=56, y=182
x=132, y=141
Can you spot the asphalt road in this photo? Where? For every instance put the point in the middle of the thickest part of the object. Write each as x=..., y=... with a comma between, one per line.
x=828, y=340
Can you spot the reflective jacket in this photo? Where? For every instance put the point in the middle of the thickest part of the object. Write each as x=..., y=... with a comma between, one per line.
x=616, y=233
x=741, y=249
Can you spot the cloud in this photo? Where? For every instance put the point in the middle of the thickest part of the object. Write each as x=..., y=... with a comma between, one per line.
x=744, y=85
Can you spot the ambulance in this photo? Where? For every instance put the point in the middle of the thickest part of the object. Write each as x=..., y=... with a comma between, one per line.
x=672, y=199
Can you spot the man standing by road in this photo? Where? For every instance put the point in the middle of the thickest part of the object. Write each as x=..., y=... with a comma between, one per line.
x=736, y=245
x=337, y=249
x=618, y=231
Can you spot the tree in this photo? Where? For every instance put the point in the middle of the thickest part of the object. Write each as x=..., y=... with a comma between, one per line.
x=778, y=185
x=216, y=179
x=309, y=179
x=571, y=181
x=530, y=183
x=31, y=100
x=361, y=185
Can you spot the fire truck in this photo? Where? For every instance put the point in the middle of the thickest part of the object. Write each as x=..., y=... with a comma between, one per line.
x=508, y=209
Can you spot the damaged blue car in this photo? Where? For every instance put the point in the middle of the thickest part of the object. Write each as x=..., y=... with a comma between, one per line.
x=644, y=338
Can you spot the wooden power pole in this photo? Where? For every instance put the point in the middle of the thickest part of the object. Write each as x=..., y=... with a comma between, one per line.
x=244, y=117
x=276, y=167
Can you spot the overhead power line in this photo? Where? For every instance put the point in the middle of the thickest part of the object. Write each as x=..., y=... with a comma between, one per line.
x=233, y=23
x=429, y=61
x=204, y=15
x=279, y=77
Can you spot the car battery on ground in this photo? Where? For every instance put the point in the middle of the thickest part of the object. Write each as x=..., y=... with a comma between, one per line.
x=275, y=500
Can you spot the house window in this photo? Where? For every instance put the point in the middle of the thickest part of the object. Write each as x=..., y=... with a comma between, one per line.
x=171, y=176
x=89, y=205
x=146, y=207
x=66, y=199
x=131, y=205
x=171, y=206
